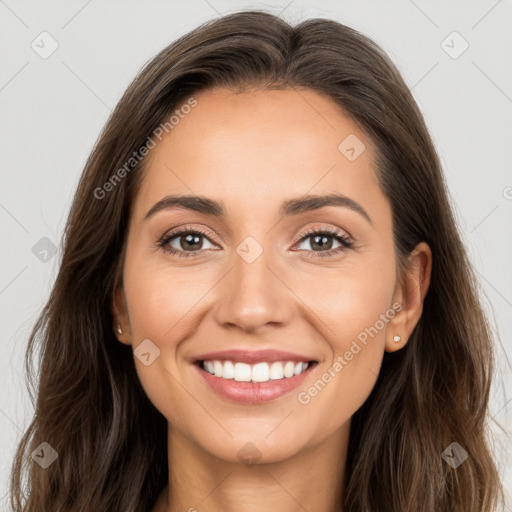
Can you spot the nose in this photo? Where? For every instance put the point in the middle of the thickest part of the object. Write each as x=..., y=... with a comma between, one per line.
x=254, y=295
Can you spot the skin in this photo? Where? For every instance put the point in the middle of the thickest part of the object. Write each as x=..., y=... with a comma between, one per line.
x=252, y=151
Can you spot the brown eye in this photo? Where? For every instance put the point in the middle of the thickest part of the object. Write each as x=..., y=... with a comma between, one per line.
x=321, y=242
x=190, y=242
x=185, y=242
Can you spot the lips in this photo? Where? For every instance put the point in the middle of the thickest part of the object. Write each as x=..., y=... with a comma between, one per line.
x=252, y=357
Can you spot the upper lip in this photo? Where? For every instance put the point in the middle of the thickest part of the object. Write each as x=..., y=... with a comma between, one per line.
x=252, y=356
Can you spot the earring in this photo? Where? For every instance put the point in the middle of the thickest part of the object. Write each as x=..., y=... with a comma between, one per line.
x=119, y=330
x=397, y=339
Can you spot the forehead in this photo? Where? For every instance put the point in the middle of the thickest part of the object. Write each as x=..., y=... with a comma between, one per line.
x=259, y=145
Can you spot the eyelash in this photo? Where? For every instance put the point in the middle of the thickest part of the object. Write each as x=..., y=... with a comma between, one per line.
x=337, y=235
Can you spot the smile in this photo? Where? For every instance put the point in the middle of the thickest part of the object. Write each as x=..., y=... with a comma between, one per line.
x=253, y=384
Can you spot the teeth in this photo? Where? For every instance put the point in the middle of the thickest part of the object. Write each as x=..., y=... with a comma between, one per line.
x=260, y=372
x=276, y=371
x=228, y=370
x=217, y=368
x=298, y=369
x=242, y=372
x=288, y=369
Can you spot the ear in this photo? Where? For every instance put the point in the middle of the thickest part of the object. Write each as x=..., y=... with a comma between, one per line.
x=410, y=294
x=121, y=317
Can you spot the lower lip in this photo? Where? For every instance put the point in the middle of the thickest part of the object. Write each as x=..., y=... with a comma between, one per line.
x=254, y=392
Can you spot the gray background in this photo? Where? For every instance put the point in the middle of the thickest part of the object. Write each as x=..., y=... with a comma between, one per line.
x=53, y=109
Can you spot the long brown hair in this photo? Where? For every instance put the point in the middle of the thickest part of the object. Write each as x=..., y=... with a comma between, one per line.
x=90, y=406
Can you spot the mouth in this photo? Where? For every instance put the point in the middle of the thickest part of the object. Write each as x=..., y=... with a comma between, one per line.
x=254, y=383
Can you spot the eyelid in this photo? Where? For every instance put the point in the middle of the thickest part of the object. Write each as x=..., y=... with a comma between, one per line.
x=333, y=231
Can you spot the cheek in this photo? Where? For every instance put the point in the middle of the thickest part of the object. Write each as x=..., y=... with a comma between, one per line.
x=348, y=299
x=162, y=303
x=351, y=309
x=161, y=299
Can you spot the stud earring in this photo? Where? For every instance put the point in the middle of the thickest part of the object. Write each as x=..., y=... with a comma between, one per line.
x=397, y=339
x=119, y=330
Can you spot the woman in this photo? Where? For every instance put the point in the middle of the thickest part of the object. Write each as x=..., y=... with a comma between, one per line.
x=263, y=300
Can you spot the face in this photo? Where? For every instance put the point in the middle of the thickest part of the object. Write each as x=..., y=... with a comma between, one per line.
x=318, y=282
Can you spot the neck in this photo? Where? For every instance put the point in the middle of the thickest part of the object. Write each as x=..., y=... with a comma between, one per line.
x=310, y=480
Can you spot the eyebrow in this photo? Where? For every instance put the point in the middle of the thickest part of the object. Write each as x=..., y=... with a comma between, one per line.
x=289, y=207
